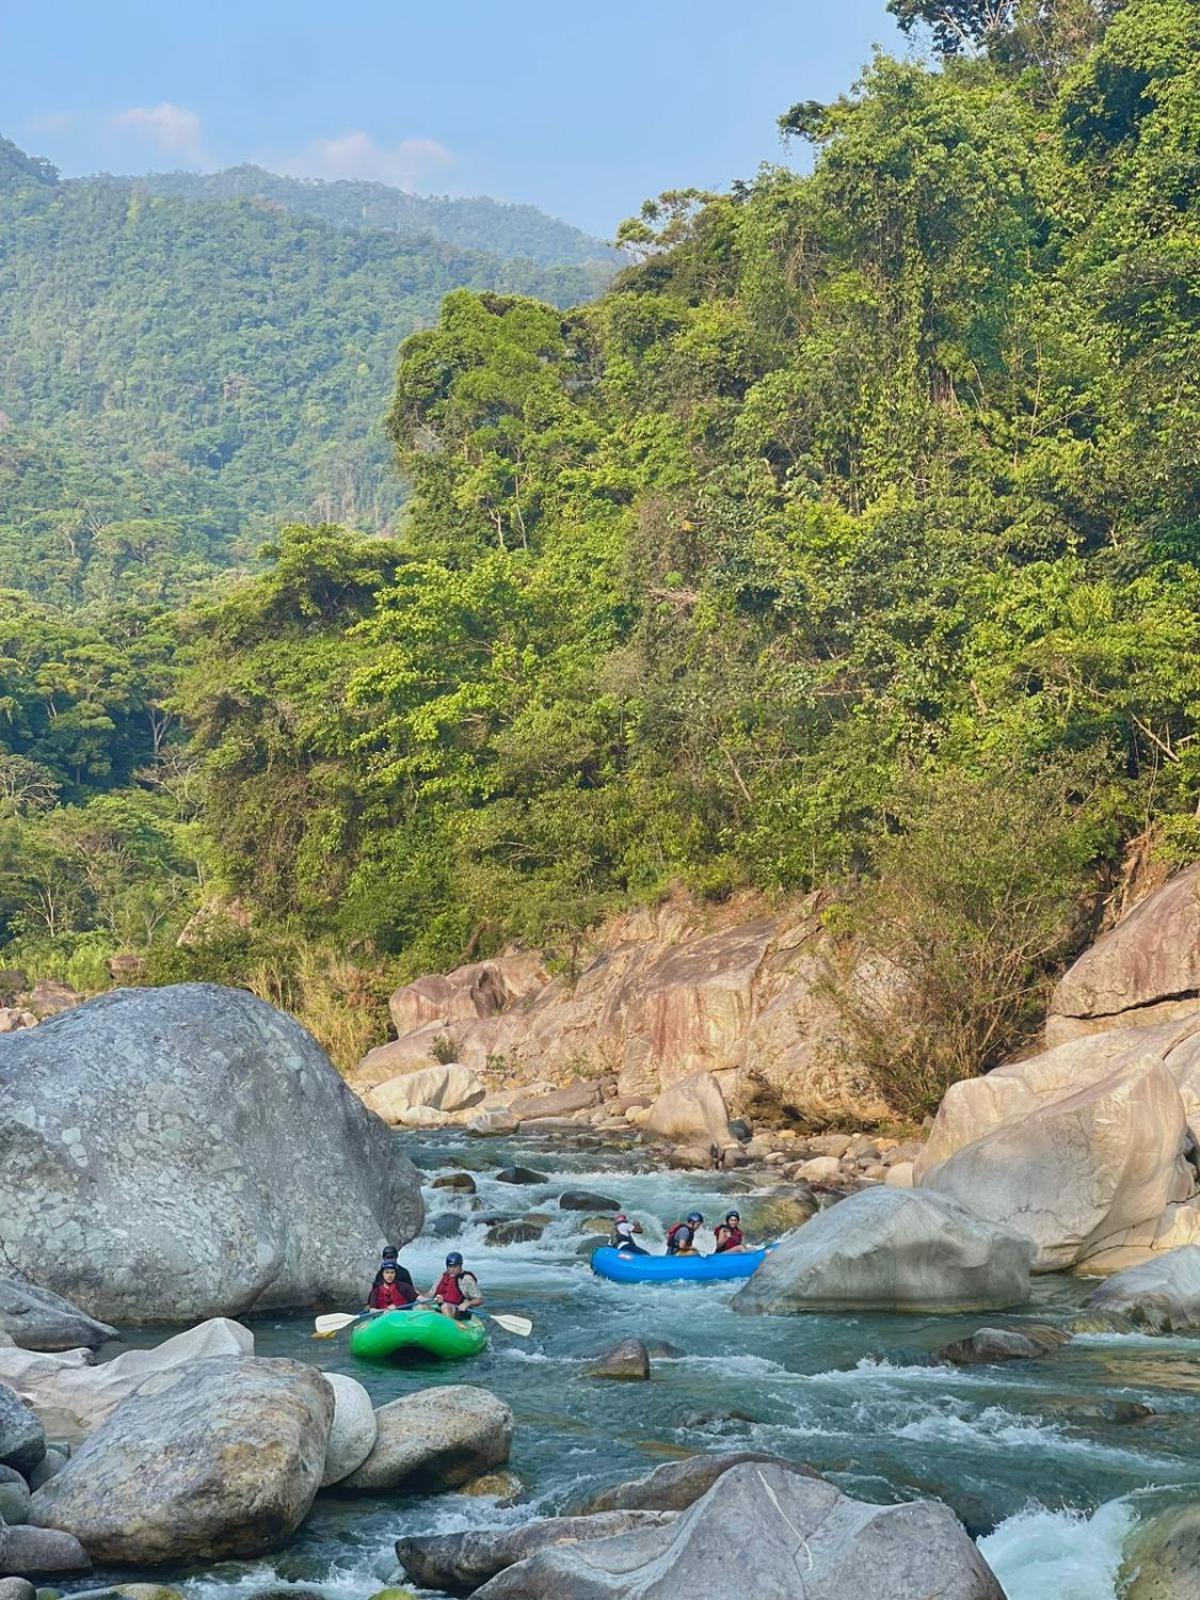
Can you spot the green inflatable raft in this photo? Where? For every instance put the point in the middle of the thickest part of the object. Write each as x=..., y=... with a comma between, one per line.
x=403, y=1335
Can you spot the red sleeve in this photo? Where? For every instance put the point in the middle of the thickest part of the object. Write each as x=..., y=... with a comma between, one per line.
x=373, y=1298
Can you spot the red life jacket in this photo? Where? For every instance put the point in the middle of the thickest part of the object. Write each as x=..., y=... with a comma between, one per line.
x=730, y=1237
x=449, y=1289
x=391, y=1296
x=674, y=1231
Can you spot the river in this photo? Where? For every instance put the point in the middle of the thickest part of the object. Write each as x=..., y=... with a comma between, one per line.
x=1028, y=1455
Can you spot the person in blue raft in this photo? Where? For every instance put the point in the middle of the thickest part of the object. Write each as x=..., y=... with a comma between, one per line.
x=622, y=1238
x=681, y=1236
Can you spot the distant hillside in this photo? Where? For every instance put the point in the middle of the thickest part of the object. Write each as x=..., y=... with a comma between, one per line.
x=512, y=232
x=220, y=363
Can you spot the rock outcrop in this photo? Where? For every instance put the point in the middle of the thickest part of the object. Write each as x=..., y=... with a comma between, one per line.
x=1162, y=1294
x=434, y=1440
x=218, y=1459
x=72, y=1396
x=443, y=1088
x=672, y=991
x=1145, y=970
x=764, y=1531
x=157, y=1161
x=887, y=1249
x=458, y=1563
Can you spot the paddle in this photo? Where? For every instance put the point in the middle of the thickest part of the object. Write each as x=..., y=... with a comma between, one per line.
x=335, y=1321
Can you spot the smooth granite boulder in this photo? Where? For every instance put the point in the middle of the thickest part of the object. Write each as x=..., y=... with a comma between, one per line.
x=893, y=1250
x=158, y=1160
x=457, y=1563
x=435, y=1439
x=1162, y=1295
x=354, y=1431
x=765, y=1532
x=217, y=1459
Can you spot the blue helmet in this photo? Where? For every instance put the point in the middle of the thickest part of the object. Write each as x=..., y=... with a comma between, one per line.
x=454, y=1259
x=694, y=1217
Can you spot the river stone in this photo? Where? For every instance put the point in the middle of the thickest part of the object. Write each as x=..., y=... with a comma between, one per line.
x=558, y=1103
x=516, y=1232
x=352, y=1435
x=39, y=1552
x=627, y=1360
x=48, y=1467
x=17, y=1589
x=1162, y=1294
x=783, y=1213
x=22, y=1436
x=237, y=1446
x=157, y=1160
x=584, y=1200
x=1162, y=1557
x=446, y=1225
x=900, y=1250
x=14, y=1497
x=455, y=1180
x=35, y=1319
x=526, y=1175
x=457, y=1563
x=988, y=1345
x=678, y=1484
x=763, y=1531
x=73, y=1396
x=503, y=1486
x=435, y=1439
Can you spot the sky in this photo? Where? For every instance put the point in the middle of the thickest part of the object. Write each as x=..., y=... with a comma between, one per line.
x=581, y=110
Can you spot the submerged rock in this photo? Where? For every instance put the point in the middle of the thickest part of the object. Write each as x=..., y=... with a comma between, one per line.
x=516, y=1232
x=763, y=1531
x=157, y=1160
x=989, y=1345
x=585, y=1200
x=36, y=1319
x=434, y=1440
x=457, y=1563
x=1162, y=1294
x=220, y=1458
x=892, y=1250
x=524, y=1175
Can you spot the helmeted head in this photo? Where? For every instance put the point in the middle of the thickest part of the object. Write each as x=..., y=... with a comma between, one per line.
x=388, y=1269
x=453, y=1260
x=694, y=1218
x=390, y=1253
x=733, y=1216
x=620, y=1217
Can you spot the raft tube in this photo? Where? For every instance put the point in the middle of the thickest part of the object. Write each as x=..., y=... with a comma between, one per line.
x=395, y=1335
x=610, y=1263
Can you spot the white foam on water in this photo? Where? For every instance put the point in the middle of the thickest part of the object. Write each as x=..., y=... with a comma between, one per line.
x=997, y=1426
x=1060, y=1555
x=1156, y=1341
x=743, y=1366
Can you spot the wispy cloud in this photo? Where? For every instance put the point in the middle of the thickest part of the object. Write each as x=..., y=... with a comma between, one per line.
x=407, y=165
x=170, y=127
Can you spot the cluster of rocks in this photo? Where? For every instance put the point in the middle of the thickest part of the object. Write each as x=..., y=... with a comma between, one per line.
x=24, y=1004
x=721, y=1526
x=241, y=1445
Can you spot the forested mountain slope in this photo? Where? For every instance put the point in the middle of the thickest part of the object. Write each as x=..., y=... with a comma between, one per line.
x=851, y=539
x=225, y=361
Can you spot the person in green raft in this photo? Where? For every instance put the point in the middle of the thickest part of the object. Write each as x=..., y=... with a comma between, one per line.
x=456, y=1293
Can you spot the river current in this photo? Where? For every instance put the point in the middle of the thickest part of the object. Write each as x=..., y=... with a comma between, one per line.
x=1031, y=1456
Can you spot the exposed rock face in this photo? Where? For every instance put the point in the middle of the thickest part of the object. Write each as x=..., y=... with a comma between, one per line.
x=219, y=1458
x=678, y=1484
x=72, y=1397
x=35, y=1319
x=434, y=1440
x=1144, y=970
x=893, y=1250
x=1162, y=1294
x=157, y=1161
x=457, y=1563
x=1078, y=1171
x=672, y=992
x=1162, y=1557
x=445, y=1088
x=764, y=1531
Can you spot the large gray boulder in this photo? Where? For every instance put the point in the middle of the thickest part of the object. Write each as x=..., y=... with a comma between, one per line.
x=72, y=1395
x=35, y=1319
x=218, y=1459
x=40, y=1553
x=678, y=1484
x=354, y=1431
x=434, y=1440
x=692, y=1111
x=457, y=1563
x=1077, y=1173
x=22, y=1436
x=158, y=1160
x=765, y=1532
x=1162, y=1294
x=893, y=1250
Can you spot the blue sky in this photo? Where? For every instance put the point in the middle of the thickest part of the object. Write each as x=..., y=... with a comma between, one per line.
x=582, y=110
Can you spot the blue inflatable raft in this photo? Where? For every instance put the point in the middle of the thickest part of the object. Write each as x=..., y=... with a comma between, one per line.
x=610, y=1263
